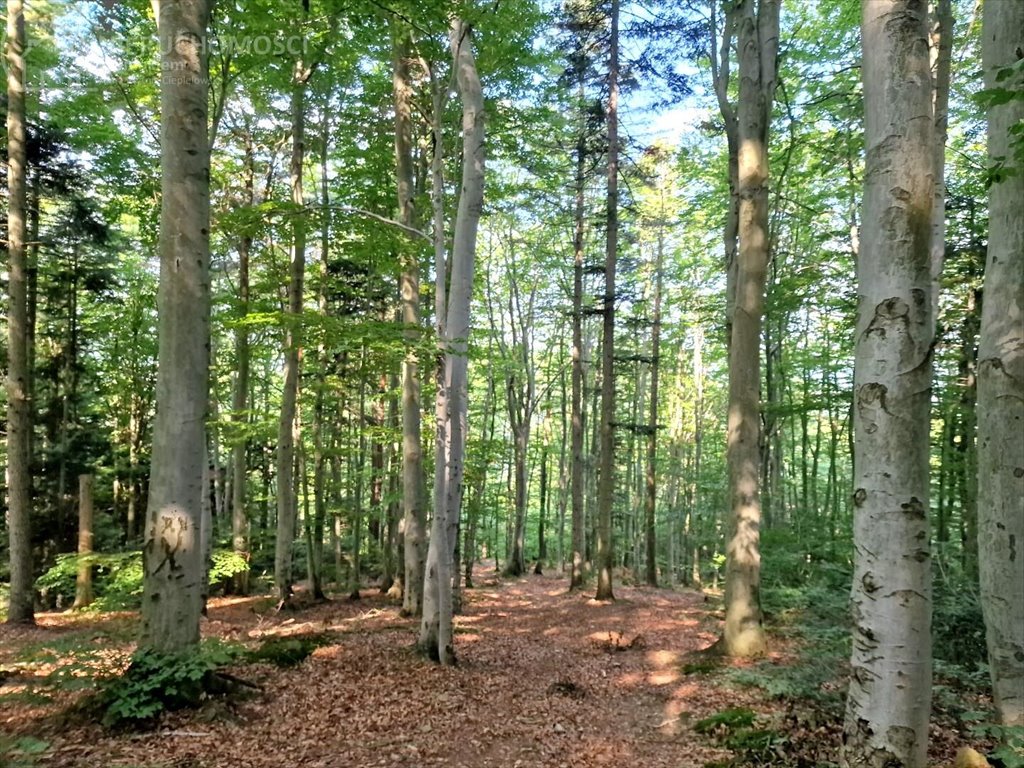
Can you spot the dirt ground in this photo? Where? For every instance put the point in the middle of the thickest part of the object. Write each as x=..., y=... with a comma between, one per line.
x=544, y=678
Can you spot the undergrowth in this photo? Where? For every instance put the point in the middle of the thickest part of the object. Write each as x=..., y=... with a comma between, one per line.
x=155, y=682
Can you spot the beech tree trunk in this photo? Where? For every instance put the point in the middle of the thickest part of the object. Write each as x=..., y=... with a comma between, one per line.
x=83, y=581
x=579, y=533
x=414, y=518
x=606, y=480
x=1001, y=378
x=651, y=497
x=941, y=49
x=172, y=552
x=239, y=517
x=436, y=628
x=889, y=700
x=758, y=40
x=288, y=429
x=21, y=609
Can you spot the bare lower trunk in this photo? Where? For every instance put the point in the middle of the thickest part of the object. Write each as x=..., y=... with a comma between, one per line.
x=436, y=628
x=239, y=517
x=83, y=583
x=288, y=433
x=941, y=47
x=414, y=512
x=172, y=552
x=606, y=480
x=579, y=542
x=758, y=36
x=889, y=700
x=651, y=497
x=1001, y=380
x=19, y=415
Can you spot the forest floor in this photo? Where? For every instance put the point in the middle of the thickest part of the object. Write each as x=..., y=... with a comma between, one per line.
x=544, y=678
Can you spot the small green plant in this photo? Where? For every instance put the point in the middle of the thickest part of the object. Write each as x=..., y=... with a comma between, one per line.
x=288, y=651
x=729, y=720
x=701, y=667
x=21, y=751
x=1009, y=738
x=155, y=682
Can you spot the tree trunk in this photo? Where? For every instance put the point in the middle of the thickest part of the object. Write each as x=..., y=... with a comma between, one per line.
x=288, y=428
x=239, y=517
x=758, y=38
x=1001, y=380
x=720, y=74
x=652, y=421
x=889, y=701
x=941, y=49
x=83, y=583
x=21, y=609
x=579, y=533
x=606, y=480
x=172, y=553
x=414, y=512
x=436, y=630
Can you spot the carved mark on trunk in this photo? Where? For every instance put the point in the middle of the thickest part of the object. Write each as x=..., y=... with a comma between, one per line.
x=871, y=398
x=172, y=536
x=914, y=508
x=887, y=314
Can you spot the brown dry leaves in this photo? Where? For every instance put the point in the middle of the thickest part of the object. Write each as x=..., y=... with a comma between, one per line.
x=545, y=678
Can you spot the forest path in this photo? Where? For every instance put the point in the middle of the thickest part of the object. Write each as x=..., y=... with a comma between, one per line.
x=545, y=678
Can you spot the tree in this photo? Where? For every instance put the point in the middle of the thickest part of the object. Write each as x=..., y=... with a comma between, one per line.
x=289, y=427
x=606, y=479
x=173, y=566
x=758, y=40
x=453, y=337
x=19, y=414
x=889, y=701
x=1001, y=367
x=414, y=520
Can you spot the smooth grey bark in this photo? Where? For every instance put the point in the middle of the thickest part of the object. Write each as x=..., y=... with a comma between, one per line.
x=1001, y=378
x=414, y=517
x=21, y=608
x=721, y=45
x=288, y=428
x=239, y=416
x=172, y=553
x=941, y=49
x=579, y=542
x=606, y=479
x=436, y=628
x=83, y=581
x=757, y=30
x=889, y=701
x=651, y=488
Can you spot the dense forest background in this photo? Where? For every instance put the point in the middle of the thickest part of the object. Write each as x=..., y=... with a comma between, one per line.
x=338, y=155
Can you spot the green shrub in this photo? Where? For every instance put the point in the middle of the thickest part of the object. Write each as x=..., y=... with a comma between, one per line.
x=155, y=682
x=117, y=577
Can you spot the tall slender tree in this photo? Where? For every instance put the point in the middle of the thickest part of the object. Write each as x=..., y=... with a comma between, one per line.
x=1001, y=370
x=606, y=480
x=414, y=513
x=889, y=701
x=451, y=409
x=172, y=552
x=758, y=40
x=19, y=413
x=288, y=428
